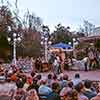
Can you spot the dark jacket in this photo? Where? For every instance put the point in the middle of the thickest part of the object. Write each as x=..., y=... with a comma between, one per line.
x=53, y=96
x=89, y=94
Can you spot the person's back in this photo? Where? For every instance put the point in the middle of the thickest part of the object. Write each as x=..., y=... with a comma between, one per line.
x=72, y=95
x=76, y=80
x=88, y=92
x=44, y=90
x=54, y=95
x=49, y=80
x=80, y=88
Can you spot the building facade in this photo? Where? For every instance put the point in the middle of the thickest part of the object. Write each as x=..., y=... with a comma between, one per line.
x=97, y=31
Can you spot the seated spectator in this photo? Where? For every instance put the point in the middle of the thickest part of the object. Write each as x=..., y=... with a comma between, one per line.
x=95, y=87
x=32, y=95
x=29, y=80
x=64, y=81
x=70, y=85
x=80, y=89
x=20, y=92
x=76, y=80
x=49, y=80
x=72, y=95
x=27, y=83
x=38, y=78
x=55, y=80
x=63, y=93
x=13, y=77
x=44, y=90
x=34, y=85
x=33, y=74
x=54, y=95
x=65, y=90
x=19, y=83
x=88, y=92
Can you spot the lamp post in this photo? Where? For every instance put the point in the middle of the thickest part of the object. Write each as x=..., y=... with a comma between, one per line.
x=45, y=42
x=46, y=50
x=15, y=38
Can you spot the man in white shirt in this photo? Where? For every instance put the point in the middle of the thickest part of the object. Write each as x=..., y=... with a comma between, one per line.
x=76, y=80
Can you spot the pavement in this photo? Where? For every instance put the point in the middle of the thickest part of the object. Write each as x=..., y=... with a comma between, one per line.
x=91, y=75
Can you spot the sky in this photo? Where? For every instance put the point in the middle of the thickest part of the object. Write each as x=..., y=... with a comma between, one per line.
x=67, y=12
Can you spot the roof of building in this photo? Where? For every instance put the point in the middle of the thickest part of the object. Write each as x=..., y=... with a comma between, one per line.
x=83, y=39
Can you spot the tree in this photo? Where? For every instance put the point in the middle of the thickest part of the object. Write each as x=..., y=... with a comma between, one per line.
x=61, y=34
x=80, y=34
x=87, y=29
x=32, y=22
x=4, y=47
x=5, y=21
x=97, y=45
x=30, y=25
x=31, y=34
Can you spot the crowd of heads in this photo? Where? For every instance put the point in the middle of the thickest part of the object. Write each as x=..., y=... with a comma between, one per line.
x=50, y=86
x=36, y=86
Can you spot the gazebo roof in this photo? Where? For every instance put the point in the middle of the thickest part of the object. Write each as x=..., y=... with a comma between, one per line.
x=61, y=45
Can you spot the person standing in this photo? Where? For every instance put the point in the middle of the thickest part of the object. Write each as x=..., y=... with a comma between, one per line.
x=56, y=66
x=92, y=59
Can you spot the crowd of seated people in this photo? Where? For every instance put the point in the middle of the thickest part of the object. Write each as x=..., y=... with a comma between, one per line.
x=35, y=86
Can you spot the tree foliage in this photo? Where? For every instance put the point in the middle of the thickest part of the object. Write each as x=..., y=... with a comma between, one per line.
x=5, y=18
x=61, y=34
x=5, y=21
x=29, y=49
x=31, y=34
x=32, y=22
x=29, y=24
x=97, y=45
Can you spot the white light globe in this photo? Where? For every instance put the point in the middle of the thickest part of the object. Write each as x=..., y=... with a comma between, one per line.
x=50, y=42
x=74, y=39
x=42, y=37
x=14, y=34
x=69, y=43
x=9, y=39
x=46, y=39
x=41, y=42
x=19, y=39
x=15, y=39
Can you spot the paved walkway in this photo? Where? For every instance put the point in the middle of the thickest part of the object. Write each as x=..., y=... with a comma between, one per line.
x=92, y=75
